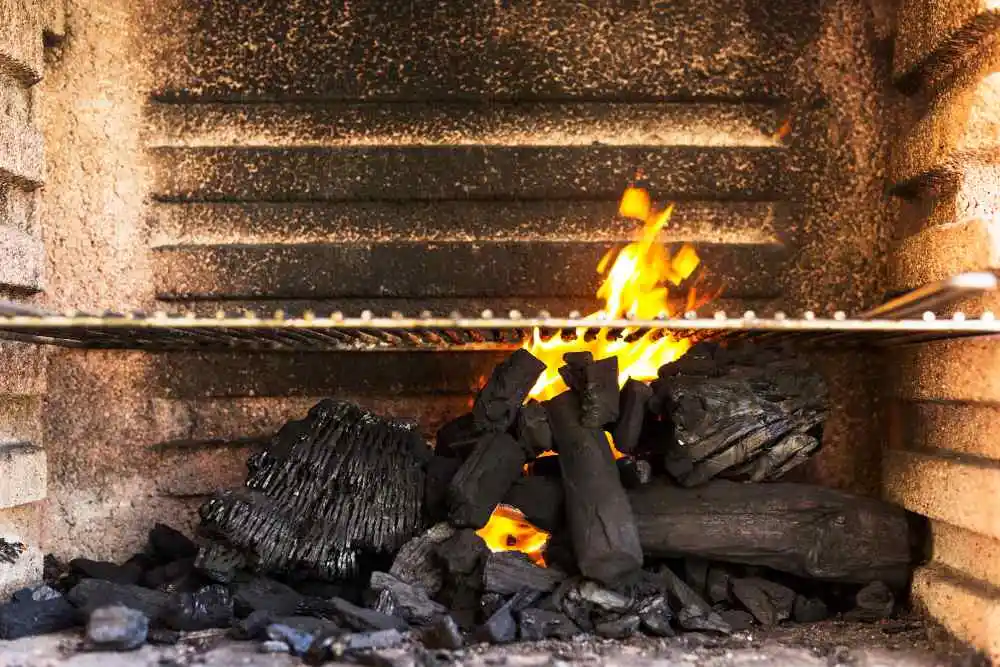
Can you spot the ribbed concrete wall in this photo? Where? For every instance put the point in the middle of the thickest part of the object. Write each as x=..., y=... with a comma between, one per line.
x=943, y=460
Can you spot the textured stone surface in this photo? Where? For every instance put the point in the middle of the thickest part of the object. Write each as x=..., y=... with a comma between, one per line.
x=955, y=370
x=940, y=252
x=22, y=474
x=21, y=524
x=23, y=263
x=21, y=40
x=963, y=188
x=964, y=429
x=975, y=556
x=925, y=26
x=22, y=160
x=966, y=608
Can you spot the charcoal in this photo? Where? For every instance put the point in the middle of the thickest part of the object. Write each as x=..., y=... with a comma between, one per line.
x=309, y=505
x=874, y=602
x=274, y=646
x=36, y=594
x=655, y=614
x=696, y=619
x=484, y=479
x=255, y=625
x=533, y=431
x=809, y=610
x=297, y=640
x=347, y=648
x=574, y=370
x=600, y=396
x=501, y=627
x=456, y=438
x=95, y=569
x=489, y=603
x=11, y=551
x=168, y=544
x=693, y=613
x=696, y=575
x=261, y=593
x=36, y=617
x=171, y=577
x=790, y=452
x=443, y=634
x=633, y=472
x=619, y=628
x=717, y=585
x=737, y=619
x=537, y=624
x=163, y=636
x=498, y=403
x=546, y=466
x=768, y=601
x=142, y=561
x=801, y=529
x=440, y=471
x=508, y=572
x=208, y=607
x=219, y=563
x=410, y=603
x=350, y=615
x=540, y=499
x=117, y=628
x=91, y=594
x=598, y=513
x=462, y=553
x=416, y=562
x=603, y=598
x=632, y=408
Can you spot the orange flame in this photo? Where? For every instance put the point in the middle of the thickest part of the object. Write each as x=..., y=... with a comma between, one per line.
x=508, y=530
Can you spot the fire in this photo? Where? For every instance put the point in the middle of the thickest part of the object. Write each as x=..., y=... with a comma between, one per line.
x=508, y=530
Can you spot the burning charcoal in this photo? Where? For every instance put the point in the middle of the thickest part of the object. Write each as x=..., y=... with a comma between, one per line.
x=483, y=480
x=36, y=593
x=455, y=439
x=508, y=572
x=619, y=628
x=801, y=529
x=462, y=553
x=600, y=396
x=655, y=615
x=631, y=415
x=539, y=499
x=91, y=594
x=168, y=544
x=737, y=619
x=693, y=613
x=443, y=634
x=26, y=619
x=409, y=602
x=440, y=471
x=874, y=602
x=769, y=602
x=633, y=472
x=95, y=569
x=601, y=597
x=809, y=610
x=533, y=430
x=598, y=513
x=350, y=615
x=117, y=629
x=219, y=562
x=498, y=403
x=537, y=624
x=290, y=523
x=209, y=607
x=261, y=593
x=162, y=637
x=415, y=563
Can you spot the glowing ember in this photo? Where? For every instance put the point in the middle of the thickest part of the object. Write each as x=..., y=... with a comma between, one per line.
x=508, y=530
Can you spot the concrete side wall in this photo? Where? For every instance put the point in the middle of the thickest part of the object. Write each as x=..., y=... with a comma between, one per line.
x=942, y=459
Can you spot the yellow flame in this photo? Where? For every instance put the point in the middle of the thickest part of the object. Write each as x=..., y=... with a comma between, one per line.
x=508, y=530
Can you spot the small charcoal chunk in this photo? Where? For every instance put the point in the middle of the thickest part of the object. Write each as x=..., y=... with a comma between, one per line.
x=619, y=628
x=91, y=594
x=440, y=471
x=117, y=628
x=350, y=615
x=536, y=624
x=738, y=619
x=169, y=544
x=693, y=613
x=351, y=647
x=219, y=562
x=601, y=597
x=500, y=628
x=874, y=602
x=533, y=430
x=262, y=593
x=507, y=572
x=484, y=479
x=634, y=472
x=416, y=563
x=717, y=585
x=409, y=602
x=163, y=636
x=297, y=640
x=600, y=396
x=36, y=617
x=172, y=577
x=462, y=553
x=632, y=409
x=456, y=438
x=36, y=593
x=656, y=616
x=498, y=403
x=769, y=602
x=208, y=607
x=809, y=610
x=443, y=634
x=255, y=625
x=96, y=569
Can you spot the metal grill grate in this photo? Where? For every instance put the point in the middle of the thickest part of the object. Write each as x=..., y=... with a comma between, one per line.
x=906, y=319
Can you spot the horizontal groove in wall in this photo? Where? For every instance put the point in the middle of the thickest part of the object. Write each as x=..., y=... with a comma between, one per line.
x=948, y=370
x=966, y=607
x=937, y=253
x=963, y=429
x=975, y=556
x=22, y=260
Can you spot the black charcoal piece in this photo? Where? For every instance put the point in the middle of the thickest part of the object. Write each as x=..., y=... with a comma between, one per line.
x=169, y=544
x=117, y=628
x=619, y=628
x=696, y=575
x=95, y=569
x=208, y=607
x=601, y=597
x=600, y=396
x=737, y=619
x=809, y=610
x=498, y=403
x=416, y=563
x=573, y=372
x=440, y=471
x=598, y=513
x=350, y=647
x=484, y=479
x=349, y=615
x=500, y=627
x=693, y=613
x=255, y=625
x=655, y=614
x=717, y=585
x=768, y=601
x=36, y=593
x=632, y=411
x=409, y=602
x=537, y=624
x=91, y=594
x=262, y=593
x=163, y=637
x=171, y=577
x=297, y=640
x=633, y=472
x=532, y=428
x=540, y=499
x=874, y=602
x=37, y=617
x=443, y=634
x=456, y=438
x=508, y=572
x=219, y=562
x=315, y=503
x=462, y=553
x=801, y=529
x=546, y=466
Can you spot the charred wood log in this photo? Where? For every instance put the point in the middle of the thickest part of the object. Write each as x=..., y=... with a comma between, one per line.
x=481, y=483
x=596, y=383
x=533, y=430
x=456, y=438
x=508, y=572
x=631, y=415
x=498, y=403
x=598, y=514
x=338, y=488
x=805, y=530
x=540, y=499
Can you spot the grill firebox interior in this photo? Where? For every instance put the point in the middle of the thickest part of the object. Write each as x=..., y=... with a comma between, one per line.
x=466, y=156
